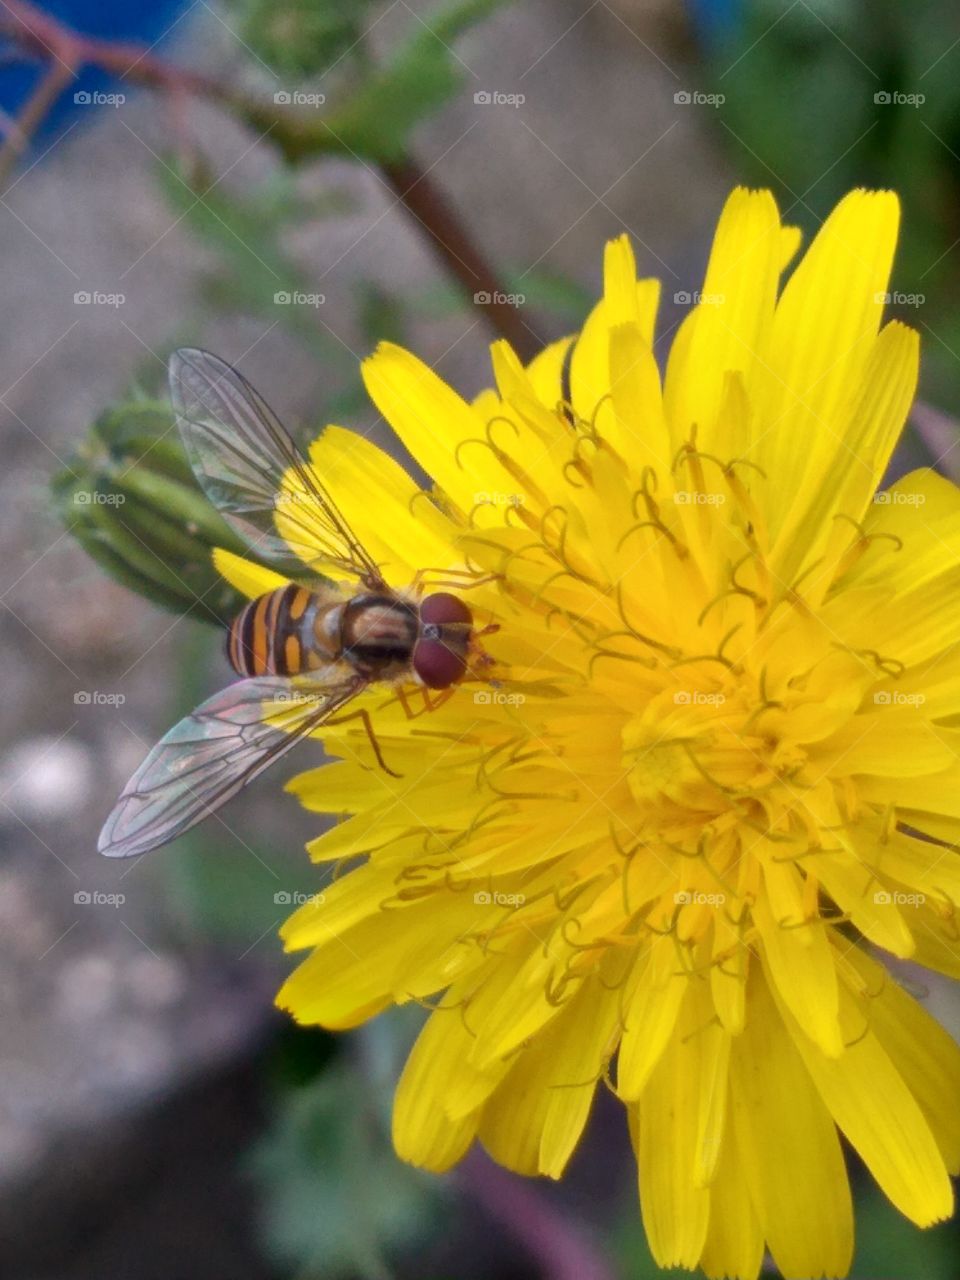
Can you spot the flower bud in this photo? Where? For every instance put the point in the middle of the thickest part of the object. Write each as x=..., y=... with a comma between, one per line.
x=131, y=499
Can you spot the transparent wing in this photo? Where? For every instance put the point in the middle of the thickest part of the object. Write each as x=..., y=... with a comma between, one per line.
x=240, y=453
x=214, y=752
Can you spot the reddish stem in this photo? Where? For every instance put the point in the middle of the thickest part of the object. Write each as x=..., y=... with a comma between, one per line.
x=296, y=134
x=550, y=1237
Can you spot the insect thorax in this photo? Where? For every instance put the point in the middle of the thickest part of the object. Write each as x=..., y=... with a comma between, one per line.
x=378, y=634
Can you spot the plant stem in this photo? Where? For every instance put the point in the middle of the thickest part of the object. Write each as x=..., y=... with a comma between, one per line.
x=940, y=433
x=549, y=1236
x=295, y=134
x=424, y=200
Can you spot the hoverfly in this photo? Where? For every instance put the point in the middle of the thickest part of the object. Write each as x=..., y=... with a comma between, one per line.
x=304, y=653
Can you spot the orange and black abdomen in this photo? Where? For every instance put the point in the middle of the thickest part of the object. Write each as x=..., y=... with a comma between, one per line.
x=266, y=637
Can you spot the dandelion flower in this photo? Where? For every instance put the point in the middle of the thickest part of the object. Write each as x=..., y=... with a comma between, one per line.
x=711, y=779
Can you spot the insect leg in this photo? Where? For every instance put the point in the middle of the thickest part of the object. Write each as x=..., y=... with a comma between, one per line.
x=364, y=717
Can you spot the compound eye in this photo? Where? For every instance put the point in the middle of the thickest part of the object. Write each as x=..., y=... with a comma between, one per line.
x=444, y=609
x=436, y=665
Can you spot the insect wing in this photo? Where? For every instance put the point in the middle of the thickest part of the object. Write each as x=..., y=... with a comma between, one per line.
x=241, y=454
x=214, y=752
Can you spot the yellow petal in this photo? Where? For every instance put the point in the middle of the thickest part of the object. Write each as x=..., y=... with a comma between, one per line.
x=249, y=578
x=734, y=1247
x=535, y=1119
x=789, y=1148
x=675, y=1210
x=637, y=428
x=925, y=1055
x=820, y=343
x=873, y=1106
x=423, y=1132
x=626, y=300
x=849, y=455
x=401, y=528
x=801, y=963
x=418, y=405
x=729, y=329
x=650, y=1014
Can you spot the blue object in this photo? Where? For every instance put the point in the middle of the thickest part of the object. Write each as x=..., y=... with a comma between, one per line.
x=717, y=22
x=140, y=21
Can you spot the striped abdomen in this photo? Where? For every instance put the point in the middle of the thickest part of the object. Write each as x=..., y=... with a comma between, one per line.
x=274, y=634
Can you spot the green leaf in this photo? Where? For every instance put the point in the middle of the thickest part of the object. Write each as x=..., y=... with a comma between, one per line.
x=301, y=38
x=421, y=77
x=336, y=1200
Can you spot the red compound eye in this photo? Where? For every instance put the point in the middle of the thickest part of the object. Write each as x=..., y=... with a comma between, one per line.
x=443, y=609
x=437, y=665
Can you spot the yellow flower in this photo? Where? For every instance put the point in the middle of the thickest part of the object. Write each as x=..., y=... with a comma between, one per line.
x=713, y=778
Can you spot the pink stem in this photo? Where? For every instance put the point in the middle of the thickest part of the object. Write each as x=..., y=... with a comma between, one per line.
x=551, y=1237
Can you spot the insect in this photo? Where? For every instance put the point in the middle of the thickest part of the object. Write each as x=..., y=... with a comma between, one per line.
x=304, y=652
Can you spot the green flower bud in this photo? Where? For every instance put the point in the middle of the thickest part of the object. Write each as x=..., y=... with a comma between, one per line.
x=130, y=498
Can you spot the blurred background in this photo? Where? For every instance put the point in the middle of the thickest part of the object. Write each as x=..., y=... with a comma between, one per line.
x=285, y=182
